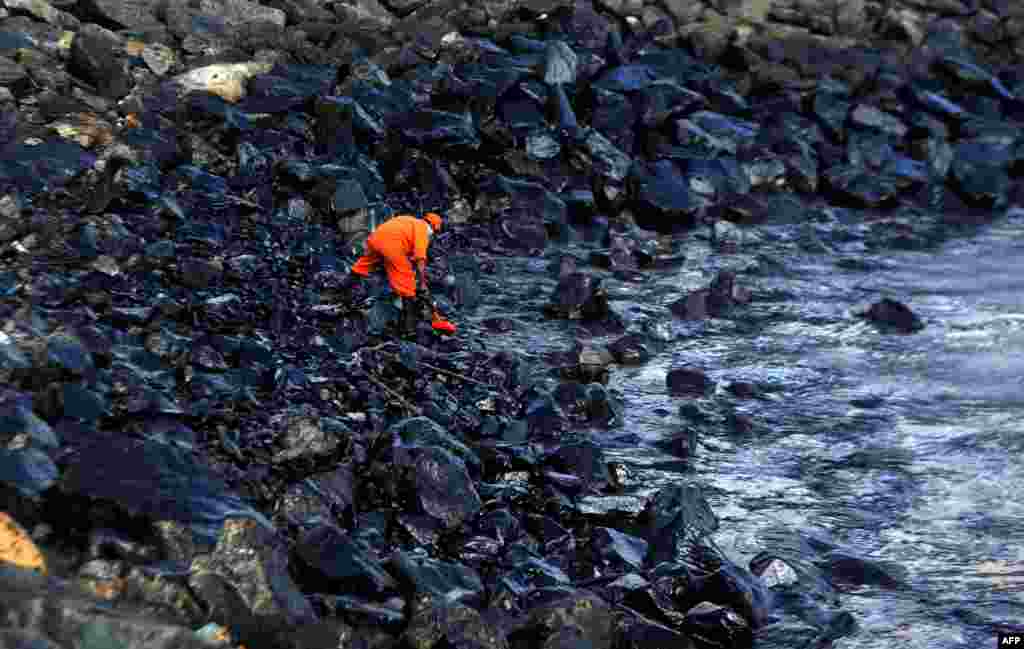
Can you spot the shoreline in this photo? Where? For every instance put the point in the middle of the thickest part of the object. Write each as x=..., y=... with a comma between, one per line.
x=211, y=450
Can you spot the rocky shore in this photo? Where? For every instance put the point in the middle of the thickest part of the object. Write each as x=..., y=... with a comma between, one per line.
x=203, y=446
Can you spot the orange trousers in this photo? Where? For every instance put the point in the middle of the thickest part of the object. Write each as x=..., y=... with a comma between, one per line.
x=395, y=258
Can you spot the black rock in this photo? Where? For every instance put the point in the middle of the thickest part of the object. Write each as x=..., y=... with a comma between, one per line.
x=662, y=196
x=80, y=402
x=436, y=623
x=67, y=354
x=617, y=550
x=869, y=117
x=45, y=166
x=682, y=444
x=888, y=314
x=676, y=515
x=440, y=486
x=387, y=616
x=28, y=470
x=431, y=128
x=568, y=618
x=862, y=186
x=17, y=419
x=692, y=307
x=831, y=105
x=307, y=435
x=664, y=99
x=637, y=632
x=717, y=627
x=543, y=416
x=75, y=617
x=627, y=78
x=152, y=478
x=843, y=568
x=448, y=582
x=335, y=124
x=689, y=381
x=559, y=63
x=423, y=432
x=599, y=154
x=965, y=73
x=286, y=87
x=96, y=59
x=339, y=564
x=253, y=559
x=579, y=296
x=583, y=459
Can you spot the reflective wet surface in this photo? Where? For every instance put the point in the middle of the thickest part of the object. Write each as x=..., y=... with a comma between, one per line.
x=900, y=450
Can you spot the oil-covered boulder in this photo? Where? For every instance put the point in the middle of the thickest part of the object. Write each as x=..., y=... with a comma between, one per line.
x=436, y=623
x=438, y=484
x=563, y=618
x=254, y=560
x=676, y=516
x=335, y=562
x=890, y=315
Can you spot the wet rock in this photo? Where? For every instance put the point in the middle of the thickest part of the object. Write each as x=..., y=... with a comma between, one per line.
x=598, y=154
x=831, y=105
x=67, y=617
x=152, y=478
x=617, y=550
x=627, y=78
x=682, y=444
x=340, y=564
x=440, y=486
x=713, y=625
x=844, y=568
x=692, y=307
x=593, y=363
x=14, y=639
x=559, y=63
x=29, y=471
x=869, y=117
x=861, y=185
x=662, y=196
x=19, y=424
x=423, y=432
x=584, y=460
x=673, y=516
x=94, y=57
x=664, y=99
x=253, y=559
x=446, y=582
x=307, y=435
x=968, y=74
x=542, y=146
x=12, y=74
x=436, y=623
x=978, y=172
x=735, y=134
x=578, y=296
x=637, y=632
x=543, y=416
x=563, y=617
x=937, y=103
x=630, y=349
x=688, y=381
x=429, y=128
x=890, y=315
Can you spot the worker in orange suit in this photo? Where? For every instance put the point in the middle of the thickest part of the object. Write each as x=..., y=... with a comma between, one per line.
x=398, y=243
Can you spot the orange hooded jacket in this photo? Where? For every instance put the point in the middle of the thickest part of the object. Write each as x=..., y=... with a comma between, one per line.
x=394, y=243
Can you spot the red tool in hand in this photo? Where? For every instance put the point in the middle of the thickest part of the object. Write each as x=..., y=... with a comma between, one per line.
x=439, y=323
